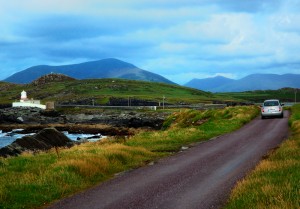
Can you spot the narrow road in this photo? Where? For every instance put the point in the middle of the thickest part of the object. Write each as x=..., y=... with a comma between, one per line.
x=200, y=177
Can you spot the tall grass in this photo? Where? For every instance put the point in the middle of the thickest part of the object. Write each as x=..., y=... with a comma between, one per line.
x=30, y=181
x=189, y=126
x=275, y=183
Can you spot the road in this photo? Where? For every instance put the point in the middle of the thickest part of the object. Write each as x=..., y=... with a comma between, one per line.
x=199, y=177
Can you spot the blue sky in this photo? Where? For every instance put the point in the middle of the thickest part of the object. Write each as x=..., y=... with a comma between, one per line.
x=177, y=39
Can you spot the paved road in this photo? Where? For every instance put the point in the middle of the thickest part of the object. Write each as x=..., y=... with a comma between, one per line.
x=200, y=177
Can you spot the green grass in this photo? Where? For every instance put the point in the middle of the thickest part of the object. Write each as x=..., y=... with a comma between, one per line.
x=190, y=126
x=275, y=183
x=102, y=89
x=258, y=96
x=31, y=181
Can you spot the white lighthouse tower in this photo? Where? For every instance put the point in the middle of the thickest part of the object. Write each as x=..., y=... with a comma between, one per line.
x=25, y=102
x=23, y=96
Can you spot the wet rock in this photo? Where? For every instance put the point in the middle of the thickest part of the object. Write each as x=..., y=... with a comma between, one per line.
x=123, y=119
x=28, y=115
x=20, y=119
x=127, y=119
x=43, y=140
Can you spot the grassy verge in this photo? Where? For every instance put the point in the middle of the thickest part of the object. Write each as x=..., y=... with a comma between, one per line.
x=284, y=95
x=190, y=126
x=275, y=183
x=30, y=181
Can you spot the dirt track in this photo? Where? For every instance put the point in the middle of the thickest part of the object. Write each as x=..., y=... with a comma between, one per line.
x=200, y=177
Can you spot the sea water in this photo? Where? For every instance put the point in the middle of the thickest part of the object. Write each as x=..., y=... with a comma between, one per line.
x=75, y=137
x=7, y=138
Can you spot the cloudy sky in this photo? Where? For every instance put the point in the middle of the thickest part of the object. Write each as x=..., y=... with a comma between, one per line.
x=178, y=39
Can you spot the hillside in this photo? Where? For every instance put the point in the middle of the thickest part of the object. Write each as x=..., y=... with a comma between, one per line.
x=248, y=83
x=103, y=91
x=52, y=77
x=106, y=68
x=258, y=96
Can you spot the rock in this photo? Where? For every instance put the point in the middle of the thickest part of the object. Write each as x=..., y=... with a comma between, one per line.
x=20, y=119
x=130, y=101
x=123, y=119
x=28, y=115
x=52, y=77
x=43, y=140
x=127, y=119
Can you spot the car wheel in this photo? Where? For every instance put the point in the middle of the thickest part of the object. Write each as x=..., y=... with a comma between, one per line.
x=262, y=117
x=281, y=116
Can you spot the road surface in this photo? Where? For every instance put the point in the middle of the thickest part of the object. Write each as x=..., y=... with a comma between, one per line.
x=199, y=177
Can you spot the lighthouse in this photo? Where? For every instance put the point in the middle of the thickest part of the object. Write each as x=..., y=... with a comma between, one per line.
x=23, y=96
x=25, y=102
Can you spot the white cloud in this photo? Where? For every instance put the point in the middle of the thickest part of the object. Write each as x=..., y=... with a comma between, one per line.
x=178, y=39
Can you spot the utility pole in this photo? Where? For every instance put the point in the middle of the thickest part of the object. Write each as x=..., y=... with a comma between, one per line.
x=129, y=101
x=164, y=102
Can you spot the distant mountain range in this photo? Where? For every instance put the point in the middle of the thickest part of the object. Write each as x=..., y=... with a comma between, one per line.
x=114, y=68
x=106, y=68
x=248, y=83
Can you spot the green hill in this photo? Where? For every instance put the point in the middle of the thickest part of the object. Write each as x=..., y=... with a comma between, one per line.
x=284, y=94
x=100, y=91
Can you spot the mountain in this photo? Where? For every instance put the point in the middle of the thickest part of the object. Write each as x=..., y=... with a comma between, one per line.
x=106, y=68
x=248, y=83
x=208, y=83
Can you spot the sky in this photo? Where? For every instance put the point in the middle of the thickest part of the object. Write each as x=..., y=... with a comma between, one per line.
x=178, y=39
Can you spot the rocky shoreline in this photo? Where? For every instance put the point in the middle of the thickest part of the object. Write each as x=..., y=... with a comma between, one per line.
x=49, y=124
x=109, y=122
x=45, y=139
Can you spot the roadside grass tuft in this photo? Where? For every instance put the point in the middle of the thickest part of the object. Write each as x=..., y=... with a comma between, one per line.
x=275, y=182
x=190, y=126
x=29, y=181
x=35, y=180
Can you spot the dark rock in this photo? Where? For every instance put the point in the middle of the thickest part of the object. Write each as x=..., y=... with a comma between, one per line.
x=43, y=140
x=2, y=106
x=50, y=113
x=126, y=119
x=52, y=77
x=130, y=102
x=28, y=115
x=123, y=119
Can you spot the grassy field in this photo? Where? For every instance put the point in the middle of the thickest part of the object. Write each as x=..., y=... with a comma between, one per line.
x=275, y=183
x=100, y=90
x=31, y=181
x=258, y=96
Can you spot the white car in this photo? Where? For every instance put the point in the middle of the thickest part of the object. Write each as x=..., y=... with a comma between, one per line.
x=271, y=108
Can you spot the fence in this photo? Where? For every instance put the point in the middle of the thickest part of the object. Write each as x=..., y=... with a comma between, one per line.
x=198, y=106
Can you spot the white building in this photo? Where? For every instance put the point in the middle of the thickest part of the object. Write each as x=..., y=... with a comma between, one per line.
x=25, y=102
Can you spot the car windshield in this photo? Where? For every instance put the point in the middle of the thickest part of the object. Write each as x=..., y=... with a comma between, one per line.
x=271, y=103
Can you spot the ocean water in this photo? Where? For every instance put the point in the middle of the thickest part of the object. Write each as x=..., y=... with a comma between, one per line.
x=7, y=138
